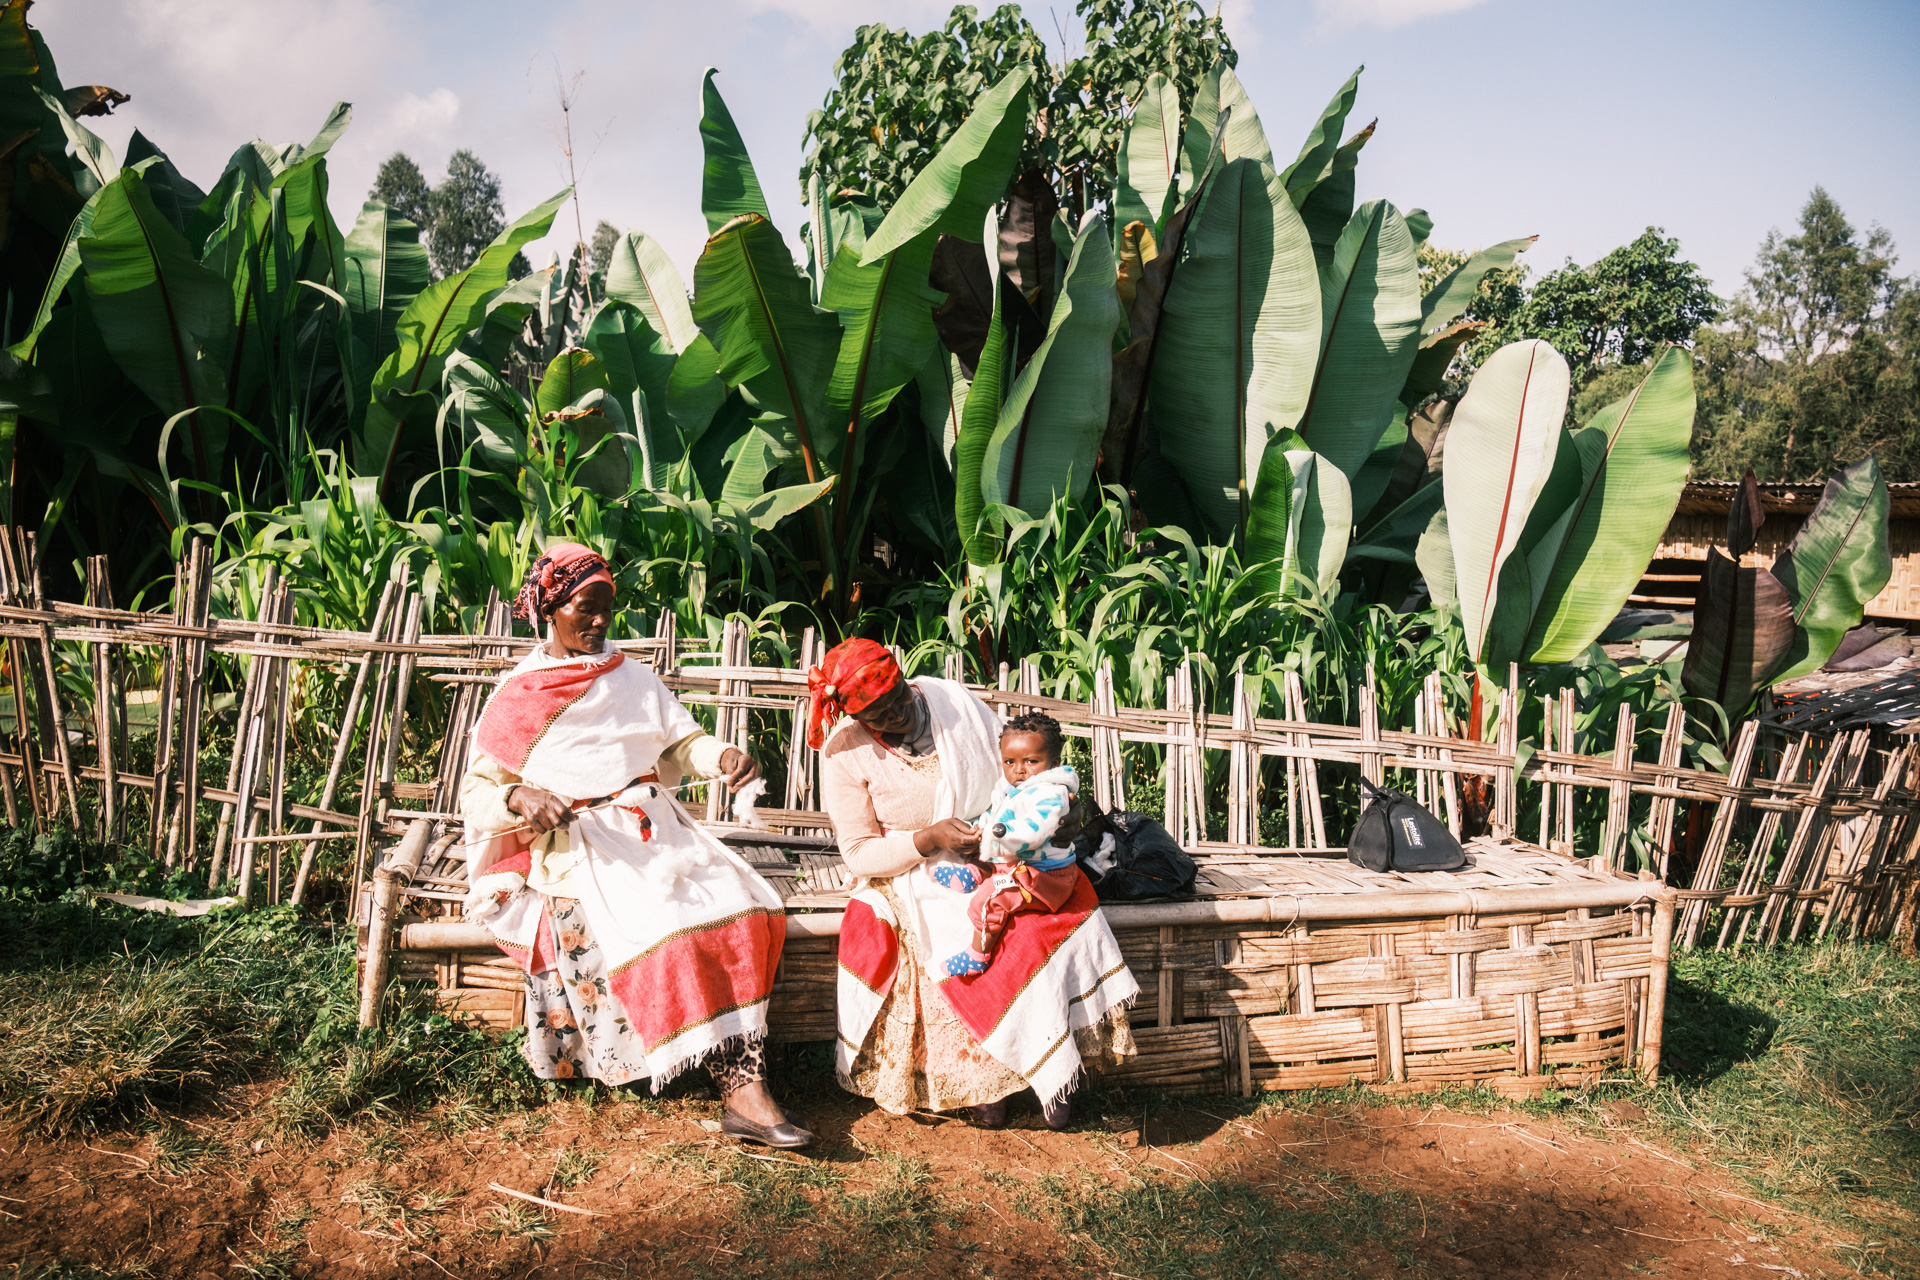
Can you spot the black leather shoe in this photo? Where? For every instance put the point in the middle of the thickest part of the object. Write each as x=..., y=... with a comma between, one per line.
x=1058, y=1115
x=990, y=1115
x=786, y=1135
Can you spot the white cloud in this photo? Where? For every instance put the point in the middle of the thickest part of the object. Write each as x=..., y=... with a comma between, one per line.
x=1384, y=14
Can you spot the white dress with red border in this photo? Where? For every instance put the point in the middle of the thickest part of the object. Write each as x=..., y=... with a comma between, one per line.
x=669, y=941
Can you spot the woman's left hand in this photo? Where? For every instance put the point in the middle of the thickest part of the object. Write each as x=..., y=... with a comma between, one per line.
x=737, y=768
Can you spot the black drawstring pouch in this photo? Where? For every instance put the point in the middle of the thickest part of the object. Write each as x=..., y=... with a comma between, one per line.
x=1396, y=834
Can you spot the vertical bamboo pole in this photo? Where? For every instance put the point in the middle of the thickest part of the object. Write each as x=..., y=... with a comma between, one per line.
x=1759, y=852
x=1655, y=1009
x=1506, y=784
x=1812, y=820
x=100, y=596
x=1239, y=793
x=1370, y=767
x=27, y=711
x=1570, y=745
x=1864, y=856
x=50, y=666
x=349, y=717
x=246, y=716
x=1547, y=772
x=1660, y=816
x=1619, y=791
x=397, y=726
x=1706, y=876
x=376, y=725
x=164, y=695
x=193, y=682
x=1446, y=780
x=1316, y=824
x=729, y=718
x=1175, y=784
x=1860, y=751
x=799, y=790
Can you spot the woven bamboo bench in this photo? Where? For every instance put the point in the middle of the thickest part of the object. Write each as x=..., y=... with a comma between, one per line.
x=1525, y=971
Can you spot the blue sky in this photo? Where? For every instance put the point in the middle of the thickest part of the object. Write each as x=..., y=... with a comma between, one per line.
x=1580, y=122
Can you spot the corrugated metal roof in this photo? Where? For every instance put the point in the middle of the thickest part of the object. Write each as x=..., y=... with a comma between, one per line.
x=1795, y=498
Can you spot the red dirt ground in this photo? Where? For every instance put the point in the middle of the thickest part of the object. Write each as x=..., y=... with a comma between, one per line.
x=1503, y=1195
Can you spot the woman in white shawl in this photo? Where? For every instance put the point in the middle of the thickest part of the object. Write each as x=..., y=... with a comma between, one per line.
x=901, y=779
x=649, y=946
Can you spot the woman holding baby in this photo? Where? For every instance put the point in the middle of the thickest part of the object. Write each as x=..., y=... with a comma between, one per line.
x=962, y=981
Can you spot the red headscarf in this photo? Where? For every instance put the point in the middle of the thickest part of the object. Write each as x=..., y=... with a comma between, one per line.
x=564, y=569
x=852, y=675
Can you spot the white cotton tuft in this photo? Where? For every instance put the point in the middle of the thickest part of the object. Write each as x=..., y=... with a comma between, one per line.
x=744, y=802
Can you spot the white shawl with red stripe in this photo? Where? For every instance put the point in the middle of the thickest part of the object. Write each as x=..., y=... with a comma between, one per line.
x=1052, y=975
x=690, y=933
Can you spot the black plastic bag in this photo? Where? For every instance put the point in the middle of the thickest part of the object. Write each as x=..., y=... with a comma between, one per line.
x=1129, y=856
x=1395, y=834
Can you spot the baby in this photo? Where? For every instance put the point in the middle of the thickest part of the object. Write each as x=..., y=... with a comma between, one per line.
x=1027, y=832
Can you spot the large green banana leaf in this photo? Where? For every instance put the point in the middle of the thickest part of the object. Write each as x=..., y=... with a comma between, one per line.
x=1595, y=554
x=430, y=328
x=943, y=385
x=978, y=419
x=163, y=316
x=386, y=268
x=1835, y=565
x=175, y=197
x=1328, y=207
x=966, y=177
x=1500, y=452
x=1369, y=335
x=886, y=338
x=1048, y=435
x=481, y=407
x=639, y=369
x=1302, y=519
x=97, y=166
x=1238, y=335
x=442, y=313
x=1150, y=157
x=64, y=268
x=1315, y=161
x=1448, y=299
x=728, y=187
x=568, y=376
x=757, y=310
x=1434, y=556
x=1222, y=94
x=1742, y=629
x=642, y=274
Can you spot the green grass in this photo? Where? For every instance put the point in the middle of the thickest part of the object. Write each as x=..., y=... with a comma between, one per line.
x=1799, y=1071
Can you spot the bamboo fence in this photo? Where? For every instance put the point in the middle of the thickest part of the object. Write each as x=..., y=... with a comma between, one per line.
x=176, y=731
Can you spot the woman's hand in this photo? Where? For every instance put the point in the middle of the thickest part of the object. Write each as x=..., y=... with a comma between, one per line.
x=737, y=768
x=949, y=835
x=543, y=810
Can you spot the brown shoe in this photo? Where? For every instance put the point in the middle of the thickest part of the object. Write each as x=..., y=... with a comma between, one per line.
x=990, y=1115
x=1058, y=1115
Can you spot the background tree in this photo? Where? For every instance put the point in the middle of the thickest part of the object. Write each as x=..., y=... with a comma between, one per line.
x=605, y=237
x=1819, y=361
x=467, y=213
x=898, y=97
x=403, y=188
x=1611, y=315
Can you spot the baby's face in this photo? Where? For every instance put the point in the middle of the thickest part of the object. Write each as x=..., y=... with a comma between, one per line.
x=1022, y=756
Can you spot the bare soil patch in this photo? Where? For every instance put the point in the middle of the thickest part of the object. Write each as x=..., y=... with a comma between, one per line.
x=1138, y=1188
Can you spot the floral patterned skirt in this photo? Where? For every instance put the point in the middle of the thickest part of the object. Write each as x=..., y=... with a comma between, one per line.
x=920, y=1056
x=576, y=1029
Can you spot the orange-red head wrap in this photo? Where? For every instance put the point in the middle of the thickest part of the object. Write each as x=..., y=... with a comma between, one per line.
x=852, y=675
x=564, y=569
